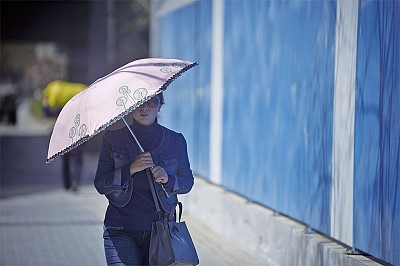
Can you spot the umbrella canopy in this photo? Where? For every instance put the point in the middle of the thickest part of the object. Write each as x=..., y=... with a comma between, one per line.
x=109, y=99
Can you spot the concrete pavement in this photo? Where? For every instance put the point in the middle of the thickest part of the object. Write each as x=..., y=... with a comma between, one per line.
x=58, y=227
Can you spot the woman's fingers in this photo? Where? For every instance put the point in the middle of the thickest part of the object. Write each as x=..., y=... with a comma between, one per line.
x=145, y=159
x=141, y=162
x=160, y=176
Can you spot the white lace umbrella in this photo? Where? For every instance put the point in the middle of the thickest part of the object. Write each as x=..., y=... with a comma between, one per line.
x=109, y=99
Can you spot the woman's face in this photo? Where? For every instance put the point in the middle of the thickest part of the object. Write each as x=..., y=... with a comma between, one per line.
x=146, y=113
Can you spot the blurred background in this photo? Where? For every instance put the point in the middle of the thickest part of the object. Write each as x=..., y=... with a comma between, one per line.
x=294, y=104
x=44, y=41
x=77, y=41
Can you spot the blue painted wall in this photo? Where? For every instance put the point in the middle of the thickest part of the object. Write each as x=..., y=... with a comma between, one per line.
x=377, y=131
x=279, y=60
x=278, y=109
x=186, y=34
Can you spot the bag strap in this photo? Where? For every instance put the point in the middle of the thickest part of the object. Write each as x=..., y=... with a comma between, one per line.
x=153, y=192
x=180, y=212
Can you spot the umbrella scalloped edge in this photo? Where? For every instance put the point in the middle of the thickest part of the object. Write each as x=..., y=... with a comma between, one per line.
x=118, y=117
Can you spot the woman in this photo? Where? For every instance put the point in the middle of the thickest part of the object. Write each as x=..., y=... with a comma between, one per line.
x=121, y=177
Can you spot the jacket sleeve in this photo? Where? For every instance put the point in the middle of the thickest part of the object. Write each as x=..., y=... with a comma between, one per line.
x=182, y=182
x=108, y=178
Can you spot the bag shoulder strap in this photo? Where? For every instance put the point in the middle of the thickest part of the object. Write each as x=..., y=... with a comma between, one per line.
x=174, y=213
x=153, y=191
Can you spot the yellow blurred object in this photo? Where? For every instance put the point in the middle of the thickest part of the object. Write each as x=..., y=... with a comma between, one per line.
x=59, y=92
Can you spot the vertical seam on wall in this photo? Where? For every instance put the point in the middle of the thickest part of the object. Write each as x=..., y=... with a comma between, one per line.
x=343, y=121
x=217, y=92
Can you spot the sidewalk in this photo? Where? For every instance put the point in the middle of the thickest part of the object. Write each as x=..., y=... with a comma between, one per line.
x=58, y=227
x=42, y=224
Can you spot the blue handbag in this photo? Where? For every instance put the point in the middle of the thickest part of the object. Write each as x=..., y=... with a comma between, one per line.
x=170, y=241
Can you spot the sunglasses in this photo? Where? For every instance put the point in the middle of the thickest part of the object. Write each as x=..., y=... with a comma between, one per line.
x=153, y=102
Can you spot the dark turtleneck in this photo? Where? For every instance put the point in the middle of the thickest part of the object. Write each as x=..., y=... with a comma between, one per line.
x=149, y=136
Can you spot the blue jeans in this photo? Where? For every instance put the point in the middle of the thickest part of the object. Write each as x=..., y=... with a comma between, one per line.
x=126, y=247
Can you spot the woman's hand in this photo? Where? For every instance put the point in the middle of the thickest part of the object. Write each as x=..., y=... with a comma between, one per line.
x=160, y=176
x=141, y=162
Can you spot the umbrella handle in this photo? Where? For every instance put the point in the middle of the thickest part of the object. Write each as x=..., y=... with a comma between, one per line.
x=133, y=134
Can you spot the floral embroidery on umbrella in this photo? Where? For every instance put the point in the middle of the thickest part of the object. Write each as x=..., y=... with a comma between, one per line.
x=138, y=94
x=121, y=101
x=179, y=65
x=81, y=130
x=125, y=91
x=160, y=65
x=165, y=68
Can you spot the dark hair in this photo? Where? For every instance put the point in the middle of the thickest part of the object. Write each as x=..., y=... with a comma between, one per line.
x=161, y=97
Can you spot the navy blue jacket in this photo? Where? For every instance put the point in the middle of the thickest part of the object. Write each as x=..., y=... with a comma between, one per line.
x=113, y=177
